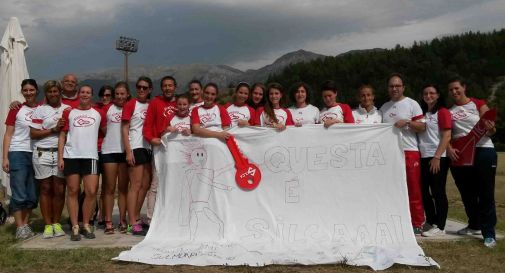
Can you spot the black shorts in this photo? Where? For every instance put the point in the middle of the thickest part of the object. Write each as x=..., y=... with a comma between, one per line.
x=113, y=158
x=142, y=156
x=81, y=166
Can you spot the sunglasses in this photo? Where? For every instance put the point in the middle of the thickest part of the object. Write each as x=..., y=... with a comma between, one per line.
x=142, y=87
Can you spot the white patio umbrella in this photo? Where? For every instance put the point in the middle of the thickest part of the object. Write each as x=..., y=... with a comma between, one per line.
x=13, y=70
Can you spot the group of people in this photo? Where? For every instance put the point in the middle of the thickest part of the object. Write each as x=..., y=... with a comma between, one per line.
x=55, y=144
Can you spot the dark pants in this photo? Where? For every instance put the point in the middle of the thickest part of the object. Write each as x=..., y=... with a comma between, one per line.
x=476, y=186
x=434, y=194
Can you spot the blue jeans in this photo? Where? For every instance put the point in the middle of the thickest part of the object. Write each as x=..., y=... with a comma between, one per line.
x=22, y=181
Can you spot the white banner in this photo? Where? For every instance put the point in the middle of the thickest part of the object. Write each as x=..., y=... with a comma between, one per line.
x=333, y=195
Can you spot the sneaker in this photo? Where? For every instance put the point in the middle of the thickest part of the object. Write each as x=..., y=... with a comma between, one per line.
x=29, y=231
x=87, y=232
x=418, y=231
x=129, y=229
x=19, y=233
x=137, y=230
x=48, y=232
x=75, y=236
x=490, y=242
x=58, y=231
x=469, y=231
x=434, y=231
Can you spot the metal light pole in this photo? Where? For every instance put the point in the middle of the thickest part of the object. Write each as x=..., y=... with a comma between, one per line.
x=127, y=46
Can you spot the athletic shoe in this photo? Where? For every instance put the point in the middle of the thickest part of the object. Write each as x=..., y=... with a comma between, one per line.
x=129, y=229
x=87, y=232
x=74, y=235
x=418, y=231
x=490, y=242
x=434, y=231
x=137, y=230
x=29, y=231
x=48, y=232
x=20, y=233
x=58, y=231
x=469, y=231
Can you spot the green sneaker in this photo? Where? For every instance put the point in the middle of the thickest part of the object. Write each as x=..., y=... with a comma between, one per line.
x=129, y=229
x=58, y=231
x=48, y=232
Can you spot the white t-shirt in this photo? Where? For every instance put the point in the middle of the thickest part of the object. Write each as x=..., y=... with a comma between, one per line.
x=112, y=142
x=46, y=117
x=305, y=115
x=180, y=123
x=362, y=116
x=212, y=118
x=341, y=112
x=135, y=112
x=430, y=139
x=236, y=113
x=283, y=115
x=464, y=118
x=21, y=119
x=406, y=109
x=82, y=137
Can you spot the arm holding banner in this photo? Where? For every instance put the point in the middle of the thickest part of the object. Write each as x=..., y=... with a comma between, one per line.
x=462, y=150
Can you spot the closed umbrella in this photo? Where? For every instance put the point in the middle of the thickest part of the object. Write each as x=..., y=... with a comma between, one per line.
x=13, y=70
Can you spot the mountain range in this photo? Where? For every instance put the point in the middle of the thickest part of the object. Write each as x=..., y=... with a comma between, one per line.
x=223, y=75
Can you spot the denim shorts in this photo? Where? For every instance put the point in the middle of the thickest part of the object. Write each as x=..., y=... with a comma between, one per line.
x=22, y=181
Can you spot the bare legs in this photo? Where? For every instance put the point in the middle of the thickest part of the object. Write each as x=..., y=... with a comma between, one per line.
x=52, y=199
x=140, y=178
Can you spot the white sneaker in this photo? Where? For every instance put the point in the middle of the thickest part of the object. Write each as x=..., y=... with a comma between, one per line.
x=434, y=231
x=490, y=242
x=469, y=231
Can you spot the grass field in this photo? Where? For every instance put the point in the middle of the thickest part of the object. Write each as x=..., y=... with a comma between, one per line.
x=455, y=256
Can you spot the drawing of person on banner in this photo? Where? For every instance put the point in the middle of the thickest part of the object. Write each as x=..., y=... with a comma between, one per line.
x=197, y=190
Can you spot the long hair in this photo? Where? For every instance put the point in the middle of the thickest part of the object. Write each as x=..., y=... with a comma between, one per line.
x=440, y=101
x=269, y=108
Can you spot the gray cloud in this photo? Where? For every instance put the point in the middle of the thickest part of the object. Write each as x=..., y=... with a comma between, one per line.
x=80, y=36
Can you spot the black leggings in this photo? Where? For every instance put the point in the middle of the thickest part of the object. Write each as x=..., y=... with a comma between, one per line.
x=434, y=193
x=476, y=185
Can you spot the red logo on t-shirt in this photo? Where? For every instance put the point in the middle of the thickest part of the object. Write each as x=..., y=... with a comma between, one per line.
x=181, y=126
x=143, y=114
x=28, y=116
x=168, y=111
x=460, y=114
x=329, y=116
x=116, y=117
x=207, y=117
x=83, y=121
x=235, y=115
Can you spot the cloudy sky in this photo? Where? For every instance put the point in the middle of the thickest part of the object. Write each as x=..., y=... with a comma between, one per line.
x=79, y=36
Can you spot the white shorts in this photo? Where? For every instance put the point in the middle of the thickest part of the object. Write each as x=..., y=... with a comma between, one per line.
x=45, y=164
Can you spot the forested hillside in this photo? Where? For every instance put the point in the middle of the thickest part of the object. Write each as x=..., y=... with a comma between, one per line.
x=477, y=57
